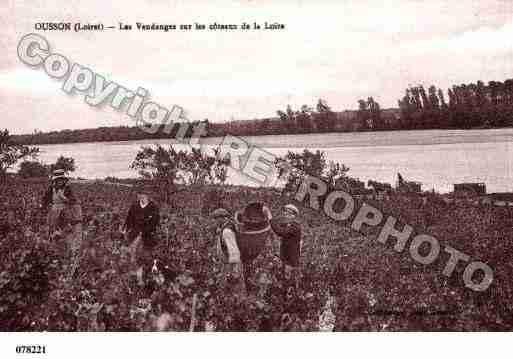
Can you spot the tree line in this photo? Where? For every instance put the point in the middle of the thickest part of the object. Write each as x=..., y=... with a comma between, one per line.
x=102, y=134
x=466, y=106
x=473, y=105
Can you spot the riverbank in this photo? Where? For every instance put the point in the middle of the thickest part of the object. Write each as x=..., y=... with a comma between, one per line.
x=77, y=136
x=468, y=156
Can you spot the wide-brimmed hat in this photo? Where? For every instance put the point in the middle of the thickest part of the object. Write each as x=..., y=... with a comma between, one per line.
x=59, y=174
x=220, y=213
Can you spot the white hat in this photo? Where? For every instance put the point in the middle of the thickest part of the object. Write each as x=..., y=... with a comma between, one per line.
x=58, y=174
x=220, y=213
x=292, y=208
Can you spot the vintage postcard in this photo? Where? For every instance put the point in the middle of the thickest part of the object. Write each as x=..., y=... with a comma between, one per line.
x=255, y=166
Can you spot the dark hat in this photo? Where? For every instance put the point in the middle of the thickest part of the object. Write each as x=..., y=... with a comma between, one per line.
x=253, y=213
x=254, y=216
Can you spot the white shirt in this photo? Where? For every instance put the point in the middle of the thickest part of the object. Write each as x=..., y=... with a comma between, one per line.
x=58, y=198
x=230, y=240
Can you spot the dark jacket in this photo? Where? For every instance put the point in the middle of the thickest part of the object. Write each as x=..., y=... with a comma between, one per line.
x=48, y=196
x=143, y=220
x=290, y=234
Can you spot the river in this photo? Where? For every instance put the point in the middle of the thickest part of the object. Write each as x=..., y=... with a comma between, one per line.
x=437, y=158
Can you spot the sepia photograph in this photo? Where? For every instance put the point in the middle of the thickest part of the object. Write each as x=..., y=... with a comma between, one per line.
x=254, y=166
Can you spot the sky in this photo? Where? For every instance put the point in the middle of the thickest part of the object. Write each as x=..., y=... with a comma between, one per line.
x=340, y=51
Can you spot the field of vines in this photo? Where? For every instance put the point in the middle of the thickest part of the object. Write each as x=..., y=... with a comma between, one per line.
x=348, y=281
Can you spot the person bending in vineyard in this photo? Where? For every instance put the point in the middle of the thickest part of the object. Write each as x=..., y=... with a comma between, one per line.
x=140, y=227
x=254, y=230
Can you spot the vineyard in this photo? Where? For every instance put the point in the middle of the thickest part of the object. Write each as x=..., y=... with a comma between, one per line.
x=348, y=281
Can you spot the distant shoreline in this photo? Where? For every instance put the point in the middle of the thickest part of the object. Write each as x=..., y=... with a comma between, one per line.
x=24, y=139
x=358, y=139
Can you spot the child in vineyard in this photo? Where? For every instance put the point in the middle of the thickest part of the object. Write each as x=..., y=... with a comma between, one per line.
x=288, y=229
x=140, y=227
x=228, y=253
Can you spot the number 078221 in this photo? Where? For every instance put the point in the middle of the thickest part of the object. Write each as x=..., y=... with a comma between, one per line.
x=30, y=349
